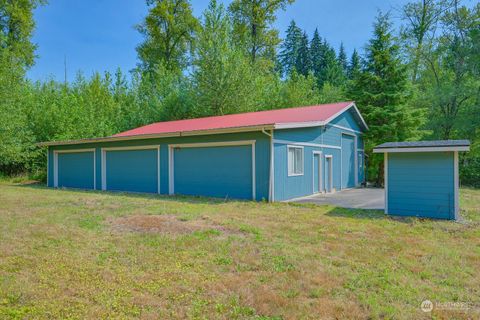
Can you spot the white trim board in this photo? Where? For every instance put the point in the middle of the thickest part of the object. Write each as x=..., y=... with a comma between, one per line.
x=305, y=144
x=344, y=128
x=55, y=164
x=420, y=149
x=293, y=125
x=212, y=144
x=131, y=148
x=171, y=159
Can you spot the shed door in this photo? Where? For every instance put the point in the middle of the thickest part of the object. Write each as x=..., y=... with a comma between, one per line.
x=76, y=170
x=348, y=161
x=132, y=170
x=224, y=171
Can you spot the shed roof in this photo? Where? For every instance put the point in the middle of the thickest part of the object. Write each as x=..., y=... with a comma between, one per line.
x=423, y=146
x=251, y=121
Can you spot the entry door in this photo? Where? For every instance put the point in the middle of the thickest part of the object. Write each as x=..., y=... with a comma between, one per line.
x=316, y=172
x=328, y=174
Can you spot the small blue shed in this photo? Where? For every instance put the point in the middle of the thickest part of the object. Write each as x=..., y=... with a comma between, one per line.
x=421, y=178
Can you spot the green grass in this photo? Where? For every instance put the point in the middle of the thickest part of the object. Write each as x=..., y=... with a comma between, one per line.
x=61, y=257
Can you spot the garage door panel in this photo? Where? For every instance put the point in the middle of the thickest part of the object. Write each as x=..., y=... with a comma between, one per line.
x=348, y=161
x=214, y=171
x=76, y=170
x=132, y=170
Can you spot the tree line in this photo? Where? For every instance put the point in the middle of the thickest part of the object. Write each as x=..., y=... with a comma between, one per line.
x=418, y=81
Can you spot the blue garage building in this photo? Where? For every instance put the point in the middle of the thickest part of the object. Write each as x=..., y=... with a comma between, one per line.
x=421, y=178
x=273, y=155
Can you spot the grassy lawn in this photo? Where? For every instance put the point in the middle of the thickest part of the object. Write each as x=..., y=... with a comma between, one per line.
x=71, y=254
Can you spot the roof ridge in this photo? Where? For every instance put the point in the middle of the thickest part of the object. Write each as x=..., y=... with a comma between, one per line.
x=252, y=112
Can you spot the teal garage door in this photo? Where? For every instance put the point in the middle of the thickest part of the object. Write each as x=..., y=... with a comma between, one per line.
x=348, y=161
x=75, y=170
x=132, y=170
x=224, y=171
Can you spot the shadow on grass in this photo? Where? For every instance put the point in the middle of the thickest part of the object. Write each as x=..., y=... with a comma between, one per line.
x=135, y=195
x=365, y=214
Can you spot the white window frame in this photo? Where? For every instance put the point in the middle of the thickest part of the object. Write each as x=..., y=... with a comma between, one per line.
x=292, y=174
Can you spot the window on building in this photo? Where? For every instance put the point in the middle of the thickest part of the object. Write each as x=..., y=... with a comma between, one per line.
x=295, y=161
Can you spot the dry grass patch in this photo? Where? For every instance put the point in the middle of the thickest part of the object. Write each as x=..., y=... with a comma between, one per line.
x=167, y=224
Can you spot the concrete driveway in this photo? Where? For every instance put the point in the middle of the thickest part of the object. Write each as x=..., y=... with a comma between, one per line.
x=361, y=198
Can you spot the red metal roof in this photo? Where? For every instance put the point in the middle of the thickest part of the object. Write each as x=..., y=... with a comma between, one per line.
x=271, y=117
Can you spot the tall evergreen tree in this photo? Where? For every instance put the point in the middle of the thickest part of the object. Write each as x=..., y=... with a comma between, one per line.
x=169, y=30
x=354, y=67
x=303, y=61
x=316, y=54
x=331, y=70
x=289, y=48
x=342, y=59
x=382, y=93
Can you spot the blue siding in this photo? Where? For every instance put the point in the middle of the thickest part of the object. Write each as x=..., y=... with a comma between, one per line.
x=331, y=136
x=132, y=170
x=214, y=171
x=421, y=184
x=288, y=187
x=348, y=161
x=311, y=134
x=347, y=120
x=75, y=170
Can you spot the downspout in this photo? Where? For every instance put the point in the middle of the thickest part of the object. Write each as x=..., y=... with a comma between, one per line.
x=271, y=193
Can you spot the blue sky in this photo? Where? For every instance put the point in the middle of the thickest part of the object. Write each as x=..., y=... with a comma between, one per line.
x=100, y=35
